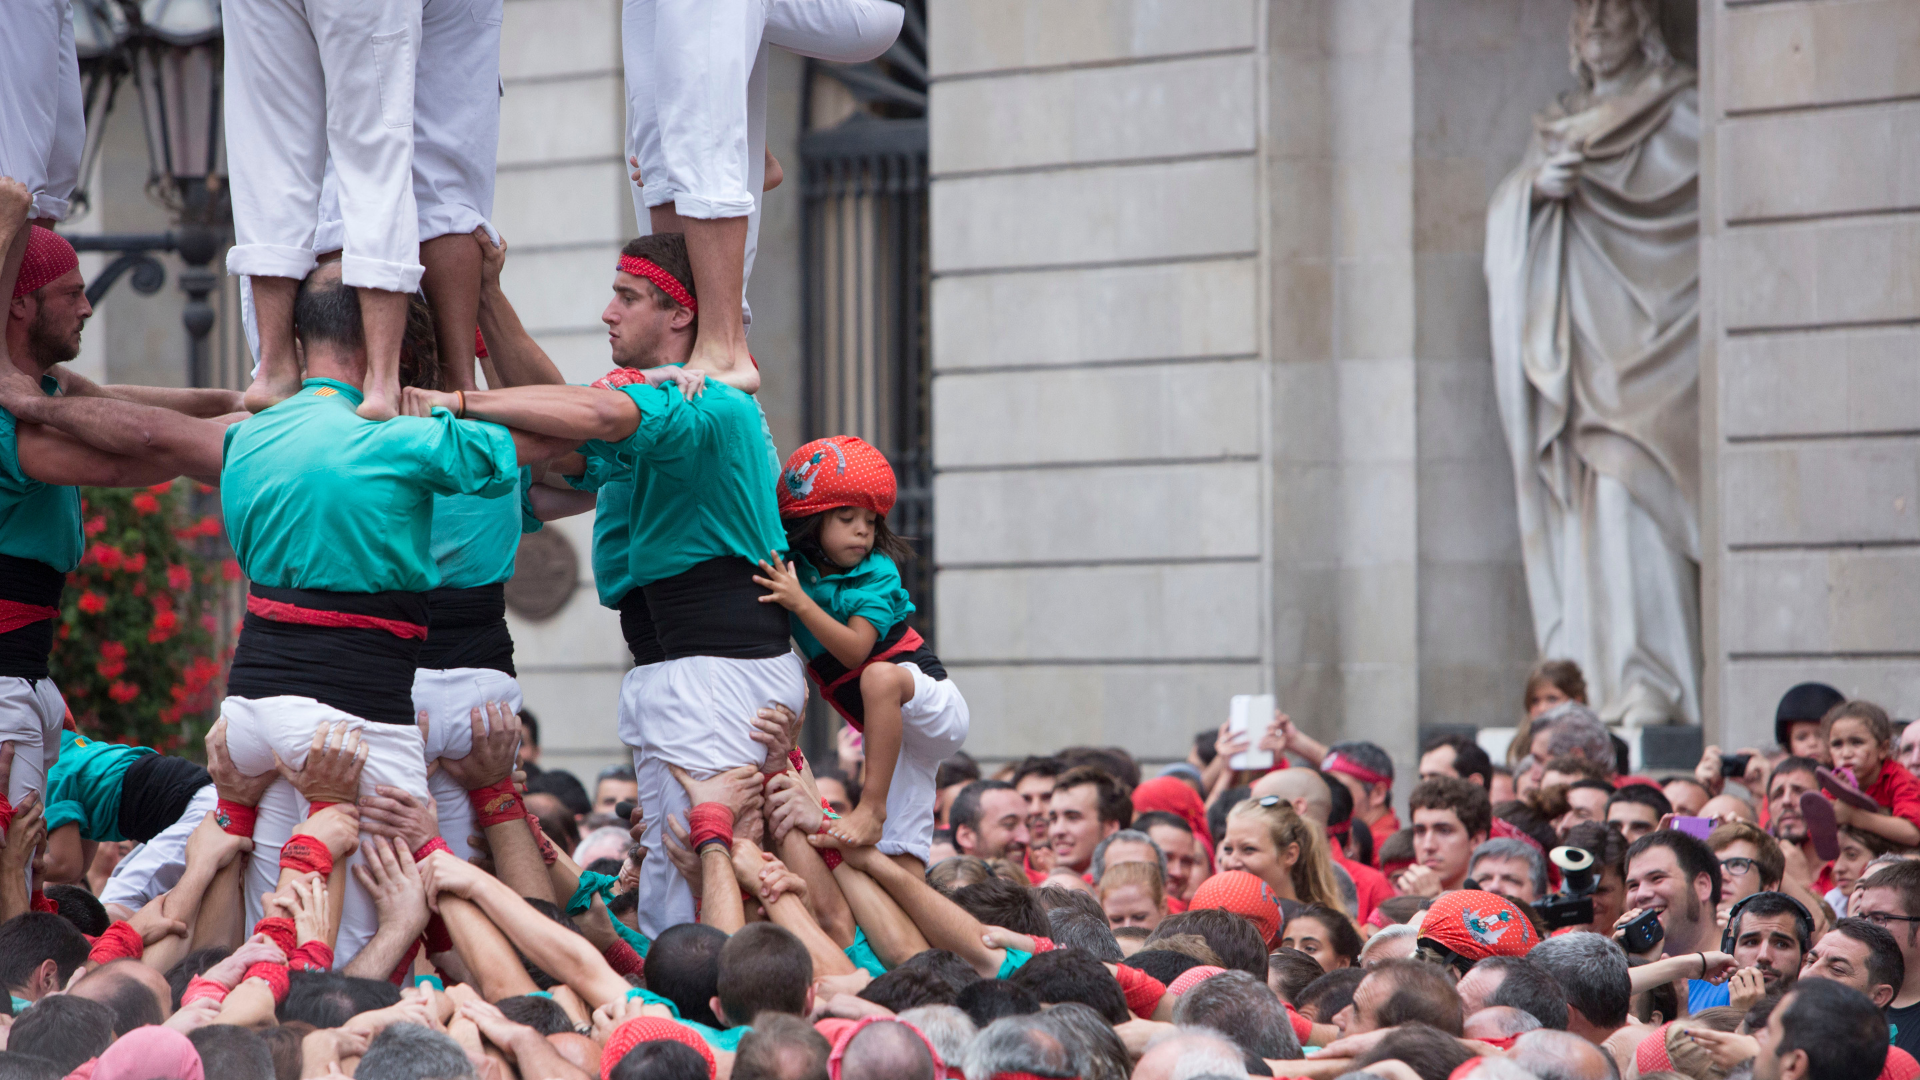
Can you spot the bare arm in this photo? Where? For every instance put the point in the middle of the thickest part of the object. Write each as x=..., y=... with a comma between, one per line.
x=495, y=732
x=52, y=456
x=516, y=358
x=566, y=955
x=181, y=445
x=946, y=924
x=532, y=449
x=849, y=642
x=204, y=403
x=578, y=413
x=552, y=503
x=781, y=892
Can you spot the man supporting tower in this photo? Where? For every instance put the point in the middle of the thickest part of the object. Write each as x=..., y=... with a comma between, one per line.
x=703, y=505
x=330, y=515
x=43, y=129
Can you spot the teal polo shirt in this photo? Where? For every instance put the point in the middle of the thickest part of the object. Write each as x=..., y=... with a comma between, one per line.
x=871, y=590
x=475, y=538
x=316, y=497
x=37, y=521
x=84, y=785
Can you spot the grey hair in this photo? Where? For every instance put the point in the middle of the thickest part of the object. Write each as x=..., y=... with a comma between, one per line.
x=1575, y=729
x=1506, y=847
x=1098, y=1053
x=1593, y=972
x=1510, y=1019
x=1099, y=865
x=1073, y=928
x=1386, y=934
x=1018, y=1044
x=1238, y=1003
x=1497, y=1068
x=947, y=1028
x=1556, y=1055
x=1200, y=1060
x=413, y=1052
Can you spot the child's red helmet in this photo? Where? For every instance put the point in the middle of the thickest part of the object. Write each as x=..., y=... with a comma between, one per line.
x=840, y=470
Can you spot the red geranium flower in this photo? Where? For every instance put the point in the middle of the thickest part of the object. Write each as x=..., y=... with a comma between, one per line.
x=123, y=692
x=179, y=576
x=145, y=503
x=92, y=603
x=136, y=563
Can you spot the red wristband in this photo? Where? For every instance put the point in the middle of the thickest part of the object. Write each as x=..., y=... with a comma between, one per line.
x=798, y=760
x=236, y=818
x=6, y=812
x=832, y=857
x=496, y=804
x=276, y=976
x=548, y=854
x=202, y=987
x=280, y=929
x=1041, y=944
x=305, y=855
x=313, y=956
x=710, y=823
x=433, y=844
x=39, y=902
x=120, y=942
x=623, y=959
x=315, y=807
x=1143, y=991
x=399, y=976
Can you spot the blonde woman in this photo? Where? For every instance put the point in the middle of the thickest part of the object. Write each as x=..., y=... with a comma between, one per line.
x=1133, y=894
x=1267, y=839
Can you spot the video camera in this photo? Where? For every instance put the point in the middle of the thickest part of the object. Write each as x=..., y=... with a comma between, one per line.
x=1573, y=904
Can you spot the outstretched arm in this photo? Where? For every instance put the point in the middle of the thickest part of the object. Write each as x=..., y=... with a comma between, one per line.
x=177, y=443
x=577, y=413
x=52, y=456
x=566, y=955
x=946, y=924
x=203, y=402
x=517, y=359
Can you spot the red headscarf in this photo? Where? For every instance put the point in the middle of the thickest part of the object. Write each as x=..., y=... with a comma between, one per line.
x=1246, y=896
x=644, y=1029
x=1175, y=796
x=49, y=256
x=1478, y=924
x=837, y=471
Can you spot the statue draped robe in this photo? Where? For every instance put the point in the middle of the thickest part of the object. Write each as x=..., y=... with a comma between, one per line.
x=1594, y=304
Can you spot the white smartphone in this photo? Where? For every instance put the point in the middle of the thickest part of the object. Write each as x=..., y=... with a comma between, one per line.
x=1253, y=714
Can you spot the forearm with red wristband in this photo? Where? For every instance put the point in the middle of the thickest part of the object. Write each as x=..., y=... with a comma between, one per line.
x=120, y=942
x=202, y=987
x=237, y=819
x=399, y=976
x=306, y=855
x=710, y=823
x=496, y=804
x=275, y=976
x=548, y=853
x=433, y=844
x=6, y=812
x=39, y=902
x=313, y=956
x=279, y=929
x=1143, y=991
x=623, y=958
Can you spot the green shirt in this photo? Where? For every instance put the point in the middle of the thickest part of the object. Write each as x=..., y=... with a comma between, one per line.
x=476, y=537
x=871, y=590
x=611, y=480
x=84, y=785
x=703, y=483
x=727, y=1039
x=862, y=954
x=37, y=521
x=318, y=498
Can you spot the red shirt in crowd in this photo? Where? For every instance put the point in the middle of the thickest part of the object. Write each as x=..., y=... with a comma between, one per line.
x=1897, y=792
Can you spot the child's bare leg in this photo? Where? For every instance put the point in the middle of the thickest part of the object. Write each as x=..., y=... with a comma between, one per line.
x=279, y=377
x=884, y=688
x=452, y=285
x=383, y=315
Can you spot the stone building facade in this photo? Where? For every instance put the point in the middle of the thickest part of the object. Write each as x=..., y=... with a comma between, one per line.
x=1214, y=409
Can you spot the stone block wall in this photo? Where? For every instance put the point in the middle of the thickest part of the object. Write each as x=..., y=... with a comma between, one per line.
x=1811, y=356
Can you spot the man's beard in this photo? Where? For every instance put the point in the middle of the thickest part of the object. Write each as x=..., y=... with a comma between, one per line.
x=45, y=346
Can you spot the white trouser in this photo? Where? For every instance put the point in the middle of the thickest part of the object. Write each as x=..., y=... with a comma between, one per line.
x=259, y=728
x=695, y=712
x=32, y=712
x=309, y=81
x=40, y=102
x=155, y=866
x=696, y=73
x=456, y=125
x=933, y=728
x=448, y=696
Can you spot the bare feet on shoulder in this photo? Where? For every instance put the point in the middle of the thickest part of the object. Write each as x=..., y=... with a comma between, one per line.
x=270, y=388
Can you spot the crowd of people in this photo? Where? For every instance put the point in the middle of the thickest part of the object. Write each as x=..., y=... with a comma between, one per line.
x=371, y=875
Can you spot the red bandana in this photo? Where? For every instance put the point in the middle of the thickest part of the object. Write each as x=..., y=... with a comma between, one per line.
x=840, y=470
x=668, y=284
x=49, y=256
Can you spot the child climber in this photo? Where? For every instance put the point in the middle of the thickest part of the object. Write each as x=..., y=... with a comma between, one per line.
x=849, y=614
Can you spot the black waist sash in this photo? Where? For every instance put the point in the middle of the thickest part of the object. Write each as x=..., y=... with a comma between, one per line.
x=467, y=628
x=840, y=685
x=23, y=651
x=636, y=625
x=714, y=609
x=363, y=670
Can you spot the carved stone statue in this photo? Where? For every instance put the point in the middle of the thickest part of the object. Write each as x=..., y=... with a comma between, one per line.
x=1593, y=272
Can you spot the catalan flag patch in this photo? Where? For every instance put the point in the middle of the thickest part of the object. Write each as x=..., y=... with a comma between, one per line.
x=325, y=391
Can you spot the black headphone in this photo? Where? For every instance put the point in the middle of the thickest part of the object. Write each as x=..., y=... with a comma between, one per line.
x=1803, y=921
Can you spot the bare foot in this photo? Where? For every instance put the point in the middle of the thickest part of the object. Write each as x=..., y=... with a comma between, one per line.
x=735, y=367
x=379, y=404
x=862, y=828
x=268, y=390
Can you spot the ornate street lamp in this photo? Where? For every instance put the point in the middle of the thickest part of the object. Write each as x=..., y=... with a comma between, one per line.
x=171, y=51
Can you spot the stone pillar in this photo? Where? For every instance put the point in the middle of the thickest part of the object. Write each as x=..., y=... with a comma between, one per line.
x=1810, y=359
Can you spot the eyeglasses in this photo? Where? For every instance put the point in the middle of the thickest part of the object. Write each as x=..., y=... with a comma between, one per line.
x=1738, y=866
x=1268, y=801
x=1882, y=918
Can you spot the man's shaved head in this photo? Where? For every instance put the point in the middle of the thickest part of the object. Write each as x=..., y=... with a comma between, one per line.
x=1294, y=785
x=1559, y=1054
x=887, y=1051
